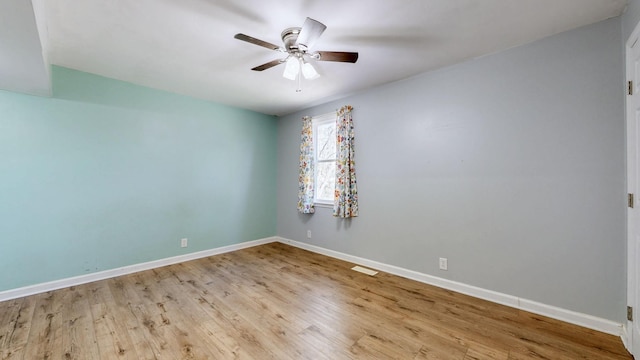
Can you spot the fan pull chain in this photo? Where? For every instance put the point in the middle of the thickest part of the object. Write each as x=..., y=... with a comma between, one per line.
x=299, y=89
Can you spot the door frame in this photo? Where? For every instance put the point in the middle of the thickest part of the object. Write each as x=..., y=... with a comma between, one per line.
x=630, y=156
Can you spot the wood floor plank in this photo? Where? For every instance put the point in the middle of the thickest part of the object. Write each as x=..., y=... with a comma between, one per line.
x=567, y=333
x=180, y=315
x=15, y=326
x=207, y=333
x=124, y=298
x=78, y=323
x=45, y=336
x=9, y=319
x=481, y=352
x=238, y=319
x=437, y=348
x=9, y=312
x=166, y=340
x=279, y=302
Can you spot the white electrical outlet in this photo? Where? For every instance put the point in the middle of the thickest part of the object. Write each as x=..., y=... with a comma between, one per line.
x=443, y=264
x=183, y=242
x=308, y=234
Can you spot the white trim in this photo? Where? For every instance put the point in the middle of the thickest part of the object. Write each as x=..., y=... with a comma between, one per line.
x=635, y=34
x=317, y=121
x=625, y=336
x=573, y=317
x=107, y=274
x=588, y=321
x=323, y=205
x=325, y=117
x=630, y=167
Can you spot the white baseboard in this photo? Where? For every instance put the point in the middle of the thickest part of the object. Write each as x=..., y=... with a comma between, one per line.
x=626, y=341
x=588, y=321
x=83, y=279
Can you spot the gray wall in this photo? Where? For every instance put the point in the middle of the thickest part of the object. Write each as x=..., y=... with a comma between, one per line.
x=511, y=166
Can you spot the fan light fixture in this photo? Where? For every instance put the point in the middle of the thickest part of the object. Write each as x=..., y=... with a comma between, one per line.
x=309, y=71
x=294, y=66
x=296, y=44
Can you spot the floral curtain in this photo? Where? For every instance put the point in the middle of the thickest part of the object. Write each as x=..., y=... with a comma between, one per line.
x=345, y=201
x=305, y=178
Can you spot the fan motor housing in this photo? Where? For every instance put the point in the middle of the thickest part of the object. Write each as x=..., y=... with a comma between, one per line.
x=289, y=38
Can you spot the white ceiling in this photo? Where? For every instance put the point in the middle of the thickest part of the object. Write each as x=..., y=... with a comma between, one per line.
x=187, y=46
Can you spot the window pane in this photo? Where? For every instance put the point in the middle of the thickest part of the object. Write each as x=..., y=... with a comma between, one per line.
x=327, y=141
x=326, y=172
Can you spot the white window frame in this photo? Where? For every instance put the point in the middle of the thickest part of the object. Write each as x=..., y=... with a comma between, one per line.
x=317, y=121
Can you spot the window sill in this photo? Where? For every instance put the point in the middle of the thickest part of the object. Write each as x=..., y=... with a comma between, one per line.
x=323, y=205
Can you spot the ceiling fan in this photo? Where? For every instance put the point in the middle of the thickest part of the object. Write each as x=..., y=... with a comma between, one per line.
x=297, y=42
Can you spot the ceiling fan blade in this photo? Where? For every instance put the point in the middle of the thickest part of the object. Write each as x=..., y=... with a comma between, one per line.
x=255, y=41
x=340, y=56
x=310, y=32
x=268, y=65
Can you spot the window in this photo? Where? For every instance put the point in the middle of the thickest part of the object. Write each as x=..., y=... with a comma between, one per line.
x=324, y=139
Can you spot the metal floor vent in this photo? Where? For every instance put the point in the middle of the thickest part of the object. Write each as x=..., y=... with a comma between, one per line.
x=364, y=270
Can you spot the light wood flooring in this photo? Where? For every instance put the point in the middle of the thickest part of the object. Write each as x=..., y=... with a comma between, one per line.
x=279, y=302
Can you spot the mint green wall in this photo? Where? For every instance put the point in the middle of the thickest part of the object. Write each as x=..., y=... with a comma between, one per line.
x=107, y=174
